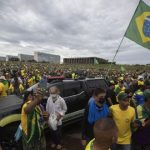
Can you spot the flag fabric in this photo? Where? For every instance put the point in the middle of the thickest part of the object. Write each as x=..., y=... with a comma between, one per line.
x=139, y=27
x=123, y=69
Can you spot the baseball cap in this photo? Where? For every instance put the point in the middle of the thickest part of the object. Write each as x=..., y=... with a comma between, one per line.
x=140, y=83
x=2, y=78
x=122, y=96
x=111, y=83
x=140, y=77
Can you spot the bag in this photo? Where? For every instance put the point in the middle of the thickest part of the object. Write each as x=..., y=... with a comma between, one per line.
x=18, y=133
x=52, y=122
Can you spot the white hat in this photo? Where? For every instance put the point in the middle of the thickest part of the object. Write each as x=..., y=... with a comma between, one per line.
x=2, y=78
x=140, y=77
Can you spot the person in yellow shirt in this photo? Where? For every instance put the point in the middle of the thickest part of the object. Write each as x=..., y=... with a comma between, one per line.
x=124, y=116
x=5, y=82
x=32, y=122
x=105, y=133
x=140, y=80
x=23, y=73
x=73, y=76
x=119, y=87
x=11, y=88
x=30, y=81
x=3, y=92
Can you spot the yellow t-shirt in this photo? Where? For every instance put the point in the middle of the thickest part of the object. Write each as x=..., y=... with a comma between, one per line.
x=39, y=77
x=140, y=82
x=33, y=80
x=118, y=89
x=11, y=88
x=23, y=73
x=21, y=88
x=6, y=86
x=89, y=146
x=123, y=120
x=30, y=82
x=3, y=92
x=24, y=118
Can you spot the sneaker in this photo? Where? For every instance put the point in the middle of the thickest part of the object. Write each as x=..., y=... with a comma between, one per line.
x=59, y=147
x=53, y=146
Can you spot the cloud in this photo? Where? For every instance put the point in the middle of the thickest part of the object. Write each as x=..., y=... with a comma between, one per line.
x=71, y=28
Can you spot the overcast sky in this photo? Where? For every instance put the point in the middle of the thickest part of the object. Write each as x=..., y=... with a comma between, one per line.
x=70, y=28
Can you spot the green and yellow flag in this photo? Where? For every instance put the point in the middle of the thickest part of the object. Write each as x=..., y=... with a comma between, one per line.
x=122, y=69
x=139, y=27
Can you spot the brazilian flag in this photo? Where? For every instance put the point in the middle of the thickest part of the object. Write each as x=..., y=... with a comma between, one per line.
x=139, y=27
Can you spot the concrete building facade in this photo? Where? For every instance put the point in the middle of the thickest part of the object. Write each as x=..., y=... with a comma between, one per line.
x=12, y=58
x=85, y=60
x=2, y=58
x=24, y=57
x=44, y=57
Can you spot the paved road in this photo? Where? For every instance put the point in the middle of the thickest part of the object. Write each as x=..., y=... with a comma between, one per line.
x=71, y=138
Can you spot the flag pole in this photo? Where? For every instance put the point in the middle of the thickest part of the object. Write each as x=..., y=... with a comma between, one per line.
x=110, y=66
x=115, y=55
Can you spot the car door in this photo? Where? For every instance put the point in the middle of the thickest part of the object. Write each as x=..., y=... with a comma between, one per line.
x=74, y=96
x=101, y=83
x=92, y=84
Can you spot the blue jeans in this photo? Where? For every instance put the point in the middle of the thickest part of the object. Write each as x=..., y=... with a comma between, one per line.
x=121, y=147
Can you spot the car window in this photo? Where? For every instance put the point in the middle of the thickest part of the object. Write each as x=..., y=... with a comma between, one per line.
x=97, y=83
x=101, y=84
x=72, y=88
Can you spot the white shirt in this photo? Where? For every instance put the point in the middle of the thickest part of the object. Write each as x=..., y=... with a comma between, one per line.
x=57, y=107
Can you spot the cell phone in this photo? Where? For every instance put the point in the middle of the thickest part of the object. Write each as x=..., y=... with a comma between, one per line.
x=43, y=85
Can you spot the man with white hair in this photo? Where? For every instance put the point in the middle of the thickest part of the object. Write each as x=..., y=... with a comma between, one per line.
x=57, y=107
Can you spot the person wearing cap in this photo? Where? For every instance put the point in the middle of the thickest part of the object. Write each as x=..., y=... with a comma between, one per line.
x=123, y=115
x=119, y=87
x=110, y=94
x=138, y=97
x=3, y=91
x=141, y=80
x=141, y=137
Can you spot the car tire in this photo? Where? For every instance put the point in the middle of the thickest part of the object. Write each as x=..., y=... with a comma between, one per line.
x=7, y=140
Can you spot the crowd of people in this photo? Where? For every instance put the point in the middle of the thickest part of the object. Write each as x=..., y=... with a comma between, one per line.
x=117, y=118
x=127, y=102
